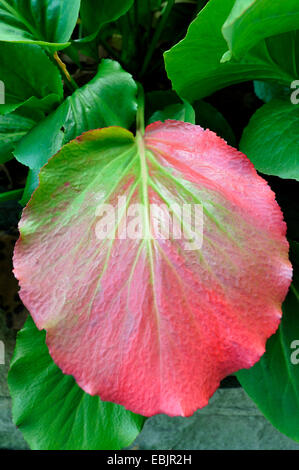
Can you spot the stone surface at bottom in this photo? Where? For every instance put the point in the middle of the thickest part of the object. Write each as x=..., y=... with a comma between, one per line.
x=231, y=421
x=10, y=437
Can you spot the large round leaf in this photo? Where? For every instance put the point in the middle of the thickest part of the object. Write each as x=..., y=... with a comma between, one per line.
x=143, y=319
x=271, y=139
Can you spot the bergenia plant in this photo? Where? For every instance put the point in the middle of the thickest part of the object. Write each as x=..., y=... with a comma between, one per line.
x=152, y=256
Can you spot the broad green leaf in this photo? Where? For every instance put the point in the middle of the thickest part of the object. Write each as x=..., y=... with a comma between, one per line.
x=253, y=20
x=95, y=14
x=273, y=383
x=271, y=139
x=145, y=305
x=179, y=112
x=31, y=185
x=194, y=67
x=108, y=99
x=29, y=78
x=45, y=139
x=12, y=128
x=46, y=22
x=50, y=409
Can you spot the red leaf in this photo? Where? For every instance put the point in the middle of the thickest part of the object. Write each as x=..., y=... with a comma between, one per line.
x=147, y=323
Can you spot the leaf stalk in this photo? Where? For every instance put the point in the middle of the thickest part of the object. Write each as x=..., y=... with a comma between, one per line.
x=65, y=72
x=140, y=110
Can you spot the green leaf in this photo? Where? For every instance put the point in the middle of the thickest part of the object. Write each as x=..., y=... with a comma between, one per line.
x=95, y=14
x=53, y=413
x=12, y=128
x=31, y=184
x=271, y=139
x=46, y=22
x=194, y=67
x=44, y=140
x=273, y=383
x=253, y=20
x=179, y=111
x=29, y=78
x=108, y=99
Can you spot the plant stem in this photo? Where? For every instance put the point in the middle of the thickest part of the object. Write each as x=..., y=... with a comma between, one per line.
x=70, y=81
x=156, y=36
x=140, y=110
